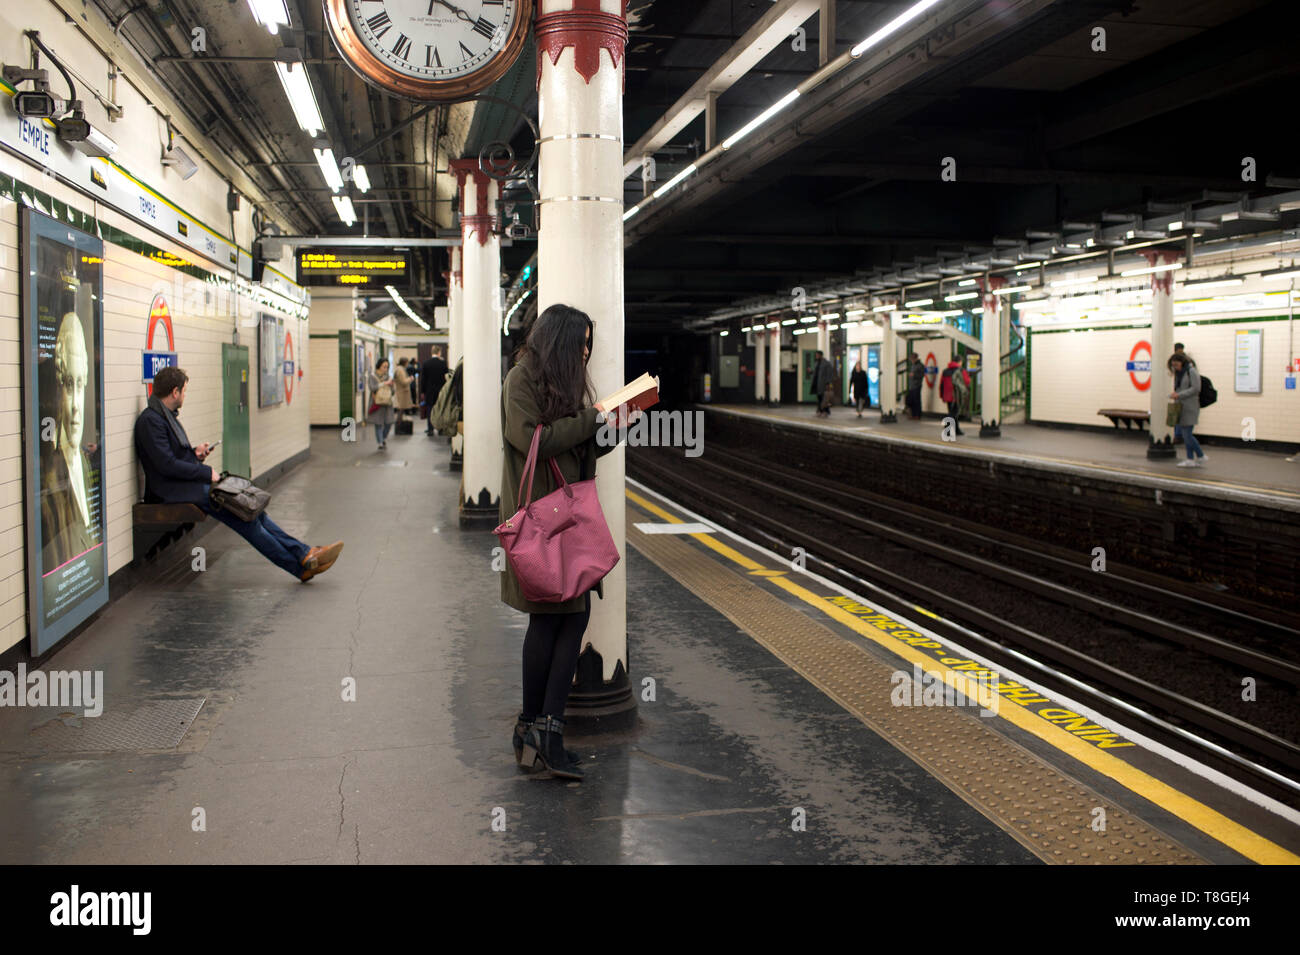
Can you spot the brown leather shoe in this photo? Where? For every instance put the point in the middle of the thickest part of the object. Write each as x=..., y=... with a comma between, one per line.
x=320, y=559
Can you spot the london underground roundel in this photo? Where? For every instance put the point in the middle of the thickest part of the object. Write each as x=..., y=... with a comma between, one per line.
x=1139, y=370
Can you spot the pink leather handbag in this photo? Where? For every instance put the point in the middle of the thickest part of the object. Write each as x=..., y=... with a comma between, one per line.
x=560, y=546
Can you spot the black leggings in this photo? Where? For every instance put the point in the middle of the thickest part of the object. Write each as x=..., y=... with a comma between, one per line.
x=550, y=659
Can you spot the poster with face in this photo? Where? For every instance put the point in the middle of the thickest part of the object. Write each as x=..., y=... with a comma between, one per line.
x=63, y=408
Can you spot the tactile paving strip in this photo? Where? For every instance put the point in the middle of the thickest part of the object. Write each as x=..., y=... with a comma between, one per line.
x=1049, y=813
x=159, y=725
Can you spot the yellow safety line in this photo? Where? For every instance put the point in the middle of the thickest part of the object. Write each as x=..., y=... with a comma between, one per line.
x=1209, y=821
x=1253, y=488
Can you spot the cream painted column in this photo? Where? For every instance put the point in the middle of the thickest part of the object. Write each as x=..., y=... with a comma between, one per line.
x=991, y=358
x=888, y=370
x=455, y=341
x=580, y=263
x=480, y=481
x=1162, y=346
x=774, y=366
x=824, y=338
x=760, y=364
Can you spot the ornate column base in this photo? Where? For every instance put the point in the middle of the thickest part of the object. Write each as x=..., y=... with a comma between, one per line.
x=596, y=705
x=888, y=417
x=990, y=430
x=1165, y=449
x=456, y=462
x=481, y=512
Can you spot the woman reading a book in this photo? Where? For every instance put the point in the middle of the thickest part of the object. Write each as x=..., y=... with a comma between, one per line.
x=549, y=386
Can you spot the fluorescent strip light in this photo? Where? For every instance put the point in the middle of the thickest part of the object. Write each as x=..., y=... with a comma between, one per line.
x=908, y=15
x=1167, y=267
x=829, y=315
x=674, y=181
x=1280, y=274
x=723, y=334
x=343, y=206
x=1011, y=288
x=887, y=307
x=808, y=318
x=297, y=87
x=961, y=296
x=801, y=331
x=773, y=324
x=1036, y=303
x=361, y=179
x=965, y=282
x=401, y=303
x=1067, y=283
x=789, y=321
x=832, y=328
x=917, y=303
x=329, y=168
x=758, y=120
x=631, y=212
x=272, y=14
x=856, y=311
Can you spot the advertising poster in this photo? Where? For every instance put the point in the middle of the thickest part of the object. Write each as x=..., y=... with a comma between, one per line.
x=1249, y=352
x=63, y=426
x=270, y=360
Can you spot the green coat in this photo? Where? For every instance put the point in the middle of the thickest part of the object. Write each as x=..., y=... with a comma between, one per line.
x=571, y=441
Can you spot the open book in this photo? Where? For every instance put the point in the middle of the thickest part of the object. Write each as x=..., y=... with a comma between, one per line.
x=640, y=394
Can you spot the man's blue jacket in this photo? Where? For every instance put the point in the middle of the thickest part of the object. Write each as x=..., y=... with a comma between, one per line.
x=172, y=472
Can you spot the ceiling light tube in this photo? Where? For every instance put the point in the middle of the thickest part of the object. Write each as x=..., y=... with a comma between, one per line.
x=361, y=179
x=788, y=321
x=1167, y=267
x=1199, y=284
x=808, y=318
x=401, y=303
x=329, y=168
x=343, y=206
x=297, y=87
x=758, y=120
x=917, y=303
x=887, y=307
x=856, y=311
x=892, y=27
x=631, y=212
x=271, y=14
x=1011, y=288
x=674, y=181
x=961, y=296
x=965, y=282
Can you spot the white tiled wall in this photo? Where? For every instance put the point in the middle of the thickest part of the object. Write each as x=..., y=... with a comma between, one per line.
x=130, y=283
x=1074, y=374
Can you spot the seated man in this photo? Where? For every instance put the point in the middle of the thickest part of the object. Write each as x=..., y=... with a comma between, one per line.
x=173, y=474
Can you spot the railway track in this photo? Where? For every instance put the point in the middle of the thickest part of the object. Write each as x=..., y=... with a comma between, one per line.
x=817, y=515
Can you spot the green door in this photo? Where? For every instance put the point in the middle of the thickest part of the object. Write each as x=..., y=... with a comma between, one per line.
x=809, y=365
x=234, y=410
x=347, y=375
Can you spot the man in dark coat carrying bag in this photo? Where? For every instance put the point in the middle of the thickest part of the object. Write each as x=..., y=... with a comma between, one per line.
x=174, y=473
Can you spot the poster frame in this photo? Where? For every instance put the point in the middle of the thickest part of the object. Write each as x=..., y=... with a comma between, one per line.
x=35, y=226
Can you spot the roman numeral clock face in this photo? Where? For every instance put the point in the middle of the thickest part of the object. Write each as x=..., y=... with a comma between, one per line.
x=429, y=49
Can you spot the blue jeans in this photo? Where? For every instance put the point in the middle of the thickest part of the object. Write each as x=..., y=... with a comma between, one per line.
x=381, y=432
x=281, y=549
x=1189, y=441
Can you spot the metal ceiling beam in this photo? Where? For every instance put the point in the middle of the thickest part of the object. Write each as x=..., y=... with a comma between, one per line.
x=771, y=30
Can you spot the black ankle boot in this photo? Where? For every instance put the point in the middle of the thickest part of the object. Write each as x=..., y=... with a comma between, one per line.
x=545, y=742
x=520, y=738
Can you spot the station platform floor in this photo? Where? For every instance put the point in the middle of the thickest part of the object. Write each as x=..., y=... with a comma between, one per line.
x=1122, y=453
x=773, y=736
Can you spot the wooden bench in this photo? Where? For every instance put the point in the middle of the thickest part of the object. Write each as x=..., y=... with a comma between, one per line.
x=1129, y=417
x=154, y=526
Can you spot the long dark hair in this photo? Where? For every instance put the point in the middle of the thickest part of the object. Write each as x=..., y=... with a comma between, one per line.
x=553, y=351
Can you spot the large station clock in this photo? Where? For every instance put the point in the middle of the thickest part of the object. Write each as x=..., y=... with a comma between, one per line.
x=438, y=50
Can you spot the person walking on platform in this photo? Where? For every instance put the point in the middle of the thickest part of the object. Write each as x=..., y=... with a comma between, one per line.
x=174, y=473
x=860, y=387
x=549, y=386
x=915, y=378
x=952, y=389
x=433, y=375
x=381, y=402
x=823, y=381
x=1187, y=392
x=402, y=400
